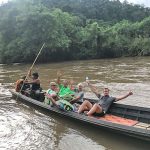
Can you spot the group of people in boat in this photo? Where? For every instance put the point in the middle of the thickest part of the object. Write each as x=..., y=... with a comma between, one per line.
x=61, y=94
x=65, y=96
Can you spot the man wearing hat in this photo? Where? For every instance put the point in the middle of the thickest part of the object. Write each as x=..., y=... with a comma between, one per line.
x=51, y=99
x=51, y=94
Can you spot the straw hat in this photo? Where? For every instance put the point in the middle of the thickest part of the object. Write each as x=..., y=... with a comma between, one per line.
x=53, y=83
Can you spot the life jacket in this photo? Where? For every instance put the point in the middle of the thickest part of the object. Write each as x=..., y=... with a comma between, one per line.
x=18, y=85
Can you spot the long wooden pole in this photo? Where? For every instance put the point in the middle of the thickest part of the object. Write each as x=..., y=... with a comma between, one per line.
x=31, y=67
x=37, y=56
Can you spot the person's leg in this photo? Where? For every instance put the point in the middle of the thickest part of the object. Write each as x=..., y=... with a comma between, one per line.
x=95, y=109
x=86, y=105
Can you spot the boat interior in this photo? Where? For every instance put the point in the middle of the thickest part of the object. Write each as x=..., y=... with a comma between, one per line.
x=128, y=115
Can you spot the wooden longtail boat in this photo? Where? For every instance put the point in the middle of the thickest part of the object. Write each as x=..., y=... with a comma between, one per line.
x=124, y=119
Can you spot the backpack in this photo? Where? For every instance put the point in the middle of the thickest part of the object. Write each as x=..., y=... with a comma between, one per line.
x=65, y=105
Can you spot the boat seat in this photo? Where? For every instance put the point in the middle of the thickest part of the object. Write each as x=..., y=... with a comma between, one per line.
x=140, y=114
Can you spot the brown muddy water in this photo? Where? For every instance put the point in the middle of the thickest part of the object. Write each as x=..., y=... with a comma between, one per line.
x=25, y=128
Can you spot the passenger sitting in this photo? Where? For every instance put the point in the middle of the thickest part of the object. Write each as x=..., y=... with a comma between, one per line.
x=103, y=105
x=79, y=94
x=51, y=99
x=51, y=94
x=64, y=89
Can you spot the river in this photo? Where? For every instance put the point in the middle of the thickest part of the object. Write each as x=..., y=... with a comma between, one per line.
x=25, y=128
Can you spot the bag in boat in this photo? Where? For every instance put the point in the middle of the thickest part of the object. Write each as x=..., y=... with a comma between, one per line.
x=67, y=97
x=65, y=105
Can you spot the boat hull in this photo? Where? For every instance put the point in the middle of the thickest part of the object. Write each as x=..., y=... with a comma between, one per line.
x=121, y=129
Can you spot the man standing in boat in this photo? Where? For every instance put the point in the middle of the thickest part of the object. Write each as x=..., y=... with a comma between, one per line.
x=104, y=103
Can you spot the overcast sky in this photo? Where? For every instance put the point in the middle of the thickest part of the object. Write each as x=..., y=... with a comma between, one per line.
x=145, y=2
x=1, y=1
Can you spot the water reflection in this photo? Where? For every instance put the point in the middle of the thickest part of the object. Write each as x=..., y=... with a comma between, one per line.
x=80, y=136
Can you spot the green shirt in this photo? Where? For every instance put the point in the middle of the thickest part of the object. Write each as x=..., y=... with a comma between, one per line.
x=47, y=100
x=64, y=91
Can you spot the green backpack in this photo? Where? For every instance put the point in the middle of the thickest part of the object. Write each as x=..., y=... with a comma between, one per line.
x=65, y=105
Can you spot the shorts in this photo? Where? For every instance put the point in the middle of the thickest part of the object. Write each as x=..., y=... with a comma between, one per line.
x=99, y=114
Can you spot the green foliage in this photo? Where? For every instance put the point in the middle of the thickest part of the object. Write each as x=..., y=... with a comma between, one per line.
x=81, y=29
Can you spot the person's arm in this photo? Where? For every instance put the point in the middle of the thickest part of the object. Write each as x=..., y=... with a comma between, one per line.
x=51, y=99
x=34, y=81
x=75, y=99
x=71, y=82
x=123, y=97
x=78, y=97
x=93, y=89
x=59, y=74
